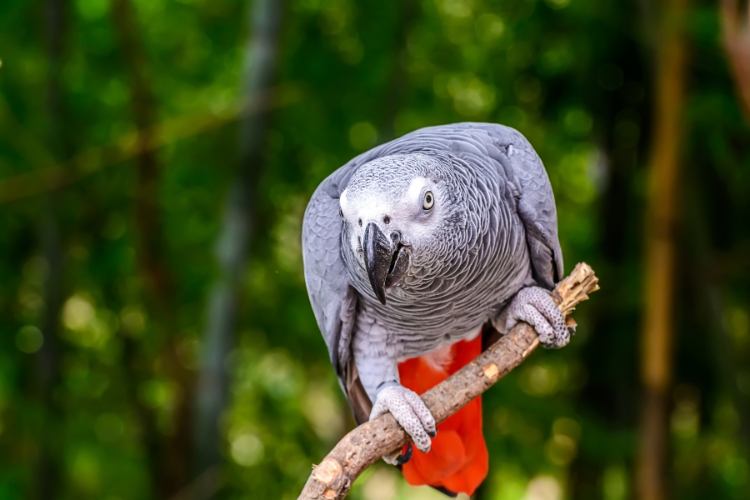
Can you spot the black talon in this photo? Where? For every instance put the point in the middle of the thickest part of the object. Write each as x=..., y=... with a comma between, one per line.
x=402, y=459
x=432, y=434
x=572, y=330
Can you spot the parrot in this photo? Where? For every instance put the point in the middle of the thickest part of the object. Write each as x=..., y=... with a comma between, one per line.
x=417, y=255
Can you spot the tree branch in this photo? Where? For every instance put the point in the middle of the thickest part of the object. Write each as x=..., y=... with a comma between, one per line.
x=332, y=479
x=49, y=175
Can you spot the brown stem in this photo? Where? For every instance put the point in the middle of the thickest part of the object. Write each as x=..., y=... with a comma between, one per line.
x=174, y=454
x=661, y=219
x=736, y=35
x=369, y=442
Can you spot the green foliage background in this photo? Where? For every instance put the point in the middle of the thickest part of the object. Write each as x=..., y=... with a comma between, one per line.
x=573, y=75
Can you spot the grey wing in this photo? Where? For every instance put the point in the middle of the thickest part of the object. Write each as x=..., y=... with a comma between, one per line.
x=535, y=204
x=531, y=189
x=332, y=298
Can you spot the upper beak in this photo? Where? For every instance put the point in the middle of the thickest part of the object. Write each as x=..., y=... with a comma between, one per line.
x=378, y=254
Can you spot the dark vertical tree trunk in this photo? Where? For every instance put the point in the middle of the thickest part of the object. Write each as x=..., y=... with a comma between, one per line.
x=661, y=222
x=171, y=466
x=48, y=357
x=707, y=287
x=233, y=246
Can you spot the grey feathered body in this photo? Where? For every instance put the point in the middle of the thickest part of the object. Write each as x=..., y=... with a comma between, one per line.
x=499, y=236
x=483, y=261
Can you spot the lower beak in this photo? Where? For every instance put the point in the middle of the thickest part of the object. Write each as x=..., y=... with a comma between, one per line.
x=378, y=254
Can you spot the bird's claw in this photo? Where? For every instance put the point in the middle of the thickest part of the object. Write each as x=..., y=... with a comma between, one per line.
x=535, y=306
x=406, y=456
x=409, y=411
x=400, y=456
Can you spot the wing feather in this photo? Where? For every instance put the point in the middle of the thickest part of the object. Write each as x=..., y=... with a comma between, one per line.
x=529, y=184
x=333, y=299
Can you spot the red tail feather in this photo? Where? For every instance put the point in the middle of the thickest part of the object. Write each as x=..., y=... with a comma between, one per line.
x=458, y=459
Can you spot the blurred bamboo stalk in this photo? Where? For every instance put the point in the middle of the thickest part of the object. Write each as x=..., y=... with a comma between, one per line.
x=661, y=220
x=48, y=357
x=736, y=35
x=170, y=454
x=233, y=245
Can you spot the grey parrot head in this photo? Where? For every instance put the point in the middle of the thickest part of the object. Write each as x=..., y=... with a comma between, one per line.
x=402, y=219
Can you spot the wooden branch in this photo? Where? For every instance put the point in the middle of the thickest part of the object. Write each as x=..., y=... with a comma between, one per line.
x=332, y=479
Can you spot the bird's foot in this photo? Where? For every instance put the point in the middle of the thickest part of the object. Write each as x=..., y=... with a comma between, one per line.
x=411, y=413
x=535, y=306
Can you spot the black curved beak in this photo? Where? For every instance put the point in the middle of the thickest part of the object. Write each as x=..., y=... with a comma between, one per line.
x=387, y=259
x=378, y=253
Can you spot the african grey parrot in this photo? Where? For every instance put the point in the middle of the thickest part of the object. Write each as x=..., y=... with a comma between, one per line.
x=414, y=249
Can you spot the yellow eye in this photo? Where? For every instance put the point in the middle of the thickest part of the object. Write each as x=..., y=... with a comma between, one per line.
x=428, y=201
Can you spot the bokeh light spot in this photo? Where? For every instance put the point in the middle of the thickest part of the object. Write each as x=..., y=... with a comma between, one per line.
x=471, y=96
x=490, y=27
x=29, y=339
x=324, y=412
x=77, y=312
x=615, y=483
x=577, y=122
x=539, y=380
x=132, y=321
x=557, y=4
x=362, y=135
x=158, y=393
x=380, y=485
x=455, y=8
x=247, y=450
x=543, y=488
x=108, y=427
x=92, y=9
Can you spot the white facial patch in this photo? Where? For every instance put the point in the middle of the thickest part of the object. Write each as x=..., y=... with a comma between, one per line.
x=343, y=203
x=390, y=209
x=373, y=206
x=368, y=207
x=415, y=190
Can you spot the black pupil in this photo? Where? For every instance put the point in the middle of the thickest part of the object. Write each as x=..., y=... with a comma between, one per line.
x=428, y=199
